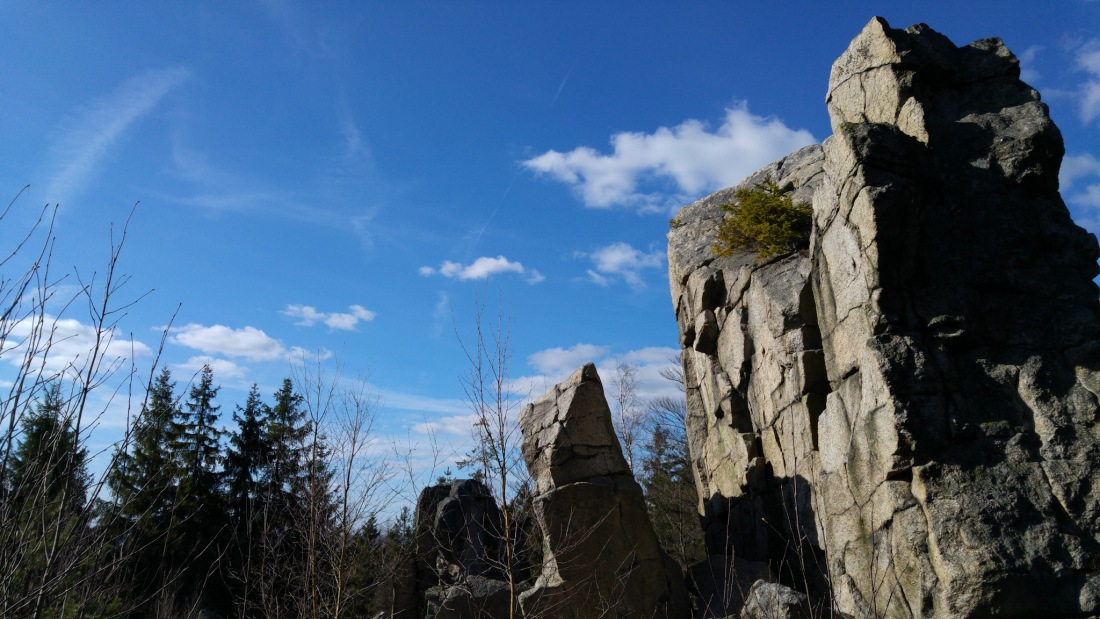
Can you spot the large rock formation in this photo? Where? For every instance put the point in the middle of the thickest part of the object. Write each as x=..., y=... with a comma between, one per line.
x=600, y=555
x=756, y=382
x=904, y=418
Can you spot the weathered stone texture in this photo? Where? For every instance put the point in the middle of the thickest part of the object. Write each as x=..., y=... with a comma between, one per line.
x=914, y=404
x=755, y=381
x=600, y=553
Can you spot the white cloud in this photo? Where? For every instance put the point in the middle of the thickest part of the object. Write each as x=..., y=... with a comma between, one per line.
x=67, y=343
x=248, y=342
x=554, y=364
x=482, y=268
x=622, y=261
x=693, y=159
x=97, y=127
x=347, y=321
x=222, y=368
x=560, y=362
x=1088, y=59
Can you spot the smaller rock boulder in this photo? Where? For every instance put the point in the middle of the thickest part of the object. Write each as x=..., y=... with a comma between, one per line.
x=771, y=600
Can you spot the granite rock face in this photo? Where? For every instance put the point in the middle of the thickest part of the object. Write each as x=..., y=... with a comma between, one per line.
x=905, y=417
x=600, y=554
x=755, y=379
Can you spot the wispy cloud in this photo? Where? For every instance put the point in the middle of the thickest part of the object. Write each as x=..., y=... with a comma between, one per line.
x=1088, y=60
x=441, y=313
x=346, y=321
x=1028, y=72
x=355, y=147
x=482, y=268
x=304, y=356
x=461, y=426
x=688, y=156
x=561, y=87
x=399, y=400
x=92, y=132
x=621, y=261
x=345, y=191
x=1080, y=185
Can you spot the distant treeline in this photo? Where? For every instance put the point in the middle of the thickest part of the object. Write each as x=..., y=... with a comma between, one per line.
x=264, y=522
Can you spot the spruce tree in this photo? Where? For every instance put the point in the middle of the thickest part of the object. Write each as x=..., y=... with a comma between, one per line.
x=246, y=456
x=45, y=520
x=283, y=514
x=201, y=523
x=318, y=519
x=671, y=496
x=245, y=461
x=286, y=429
x=145, y=486
x=197, y=441
x=49, y=467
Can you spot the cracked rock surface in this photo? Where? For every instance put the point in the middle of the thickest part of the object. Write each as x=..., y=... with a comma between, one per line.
x=904, y=419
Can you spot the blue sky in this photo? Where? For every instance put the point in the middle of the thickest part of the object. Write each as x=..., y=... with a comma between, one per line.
x=344, y=180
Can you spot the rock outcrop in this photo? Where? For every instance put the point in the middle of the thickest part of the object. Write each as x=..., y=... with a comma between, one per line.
x=600, y=554
x=460, y=559
x=905, y=418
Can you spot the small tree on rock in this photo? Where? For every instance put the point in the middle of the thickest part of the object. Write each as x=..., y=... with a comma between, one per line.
x=764, y=219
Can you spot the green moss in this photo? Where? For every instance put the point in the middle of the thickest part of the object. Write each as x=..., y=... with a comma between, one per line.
x=764, y=219
x=849, y=128
x=674, y=223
